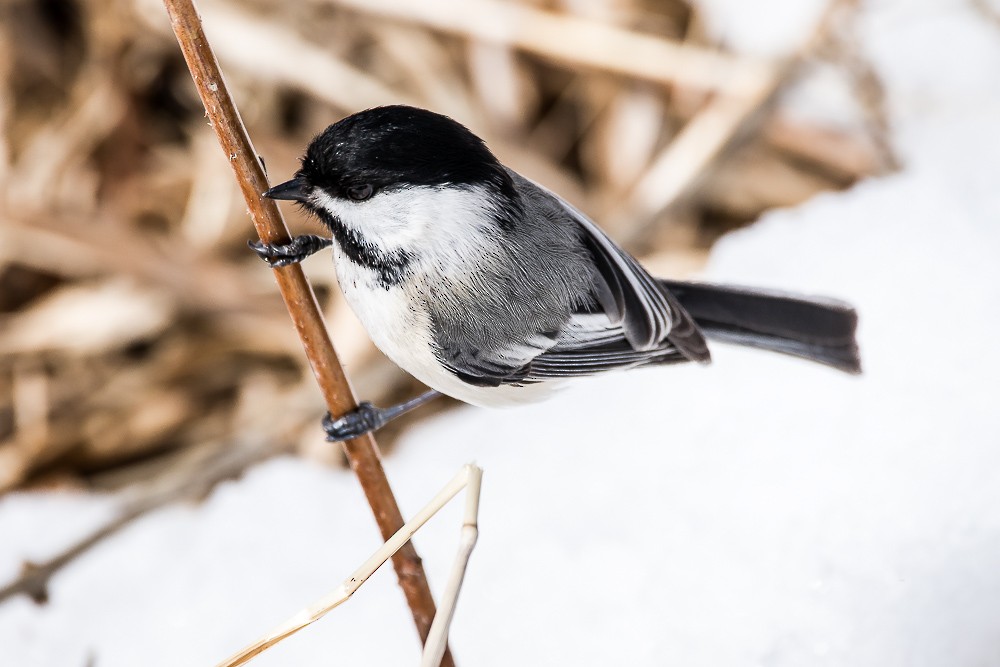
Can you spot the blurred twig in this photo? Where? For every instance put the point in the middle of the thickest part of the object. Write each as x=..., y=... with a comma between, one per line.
x=682, y=162
x=200, y=472
x=988, y=10
x=303, y=65
x=569, y=39
x=187, y=474
x=842, y=155
x=838, y=43
x=362, y=452
x=726, y=117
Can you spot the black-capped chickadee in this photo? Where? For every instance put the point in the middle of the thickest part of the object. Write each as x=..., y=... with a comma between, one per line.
x=489, y=288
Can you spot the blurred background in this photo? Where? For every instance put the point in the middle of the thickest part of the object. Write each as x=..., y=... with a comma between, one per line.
x=134, y=323
x=146, y=357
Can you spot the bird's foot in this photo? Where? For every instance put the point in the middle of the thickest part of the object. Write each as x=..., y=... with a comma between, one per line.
x=363, y=419
x=367, y=418
x=293, y=252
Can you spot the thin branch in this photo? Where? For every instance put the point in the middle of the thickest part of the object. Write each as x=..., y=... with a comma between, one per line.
x=469, y=476
x=362, y=453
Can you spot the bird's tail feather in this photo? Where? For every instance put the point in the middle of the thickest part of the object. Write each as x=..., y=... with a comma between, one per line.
x=818, y=329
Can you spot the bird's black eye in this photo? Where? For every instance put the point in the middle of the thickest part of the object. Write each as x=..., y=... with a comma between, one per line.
x=360, y=192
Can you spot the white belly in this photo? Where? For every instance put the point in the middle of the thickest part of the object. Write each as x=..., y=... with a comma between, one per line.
x=404, y=334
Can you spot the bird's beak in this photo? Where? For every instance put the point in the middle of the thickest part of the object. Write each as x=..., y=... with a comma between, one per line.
x=293, y=190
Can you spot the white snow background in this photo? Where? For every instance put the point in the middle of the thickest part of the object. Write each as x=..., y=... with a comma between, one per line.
x=762, y=511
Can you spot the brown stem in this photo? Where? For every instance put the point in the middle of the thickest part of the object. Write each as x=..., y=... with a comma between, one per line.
x=362, y=453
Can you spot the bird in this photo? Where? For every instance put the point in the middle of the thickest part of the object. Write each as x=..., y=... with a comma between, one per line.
x=490, y=288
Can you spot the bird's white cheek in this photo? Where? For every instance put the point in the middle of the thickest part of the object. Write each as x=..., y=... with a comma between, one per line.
x=413, y=217
x=390, y=220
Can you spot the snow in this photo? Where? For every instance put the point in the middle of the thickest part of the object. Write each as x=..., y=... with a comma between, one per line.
x=761, y=511
x=763, y=28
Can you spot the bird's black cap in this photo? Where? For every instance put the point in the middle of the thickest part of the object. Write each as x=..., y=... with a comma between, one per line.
x=398, y=146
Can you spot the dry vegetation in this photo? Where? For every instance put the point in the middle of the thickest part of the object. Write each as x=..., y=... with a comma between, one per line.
x=141, y=341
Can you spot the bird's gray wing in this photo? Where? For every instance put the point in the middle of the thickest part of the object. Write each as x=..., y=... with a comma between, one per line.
x=560, y=364
x=588, y=344
x=591, y=343
x=630, y=321
x=484, y=367
x=649, y=314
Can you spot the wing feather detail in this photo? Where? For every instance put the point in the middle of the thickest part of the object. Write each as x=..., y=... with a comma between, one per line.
x=631, y=319
x=651, y=314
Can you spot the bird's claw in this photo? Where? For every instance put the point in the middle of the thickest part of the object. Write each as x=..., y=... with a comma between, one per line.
x=293, y=252
x=363, y=419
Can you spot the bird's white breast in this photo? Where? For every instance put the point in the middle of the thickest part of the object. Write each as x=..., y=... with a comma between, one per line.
x=434, y=225
x=402, y=330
